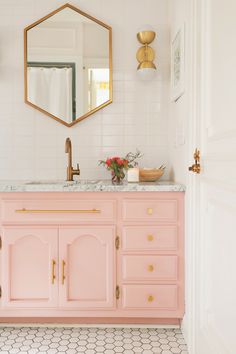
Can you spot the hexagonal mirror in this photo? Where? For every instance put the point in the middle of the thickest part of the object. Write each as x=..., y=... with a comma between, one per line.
x=68, y=65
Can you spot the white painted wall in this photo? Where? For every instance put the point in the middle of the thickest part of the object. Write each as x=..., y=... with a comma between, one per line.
x=32, y=144
x=179, y=14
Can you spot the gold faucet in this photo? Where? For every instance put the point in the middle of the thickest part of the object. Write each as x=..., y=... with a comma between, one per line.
x=71, y=172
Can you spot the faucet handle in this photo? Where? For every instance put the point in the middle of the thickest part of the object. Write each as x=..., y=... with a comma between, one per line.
x=77, y=170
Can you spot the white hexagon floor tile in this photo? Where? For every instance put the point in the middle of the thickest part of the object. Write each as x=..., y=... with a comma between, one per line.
x=30, y=340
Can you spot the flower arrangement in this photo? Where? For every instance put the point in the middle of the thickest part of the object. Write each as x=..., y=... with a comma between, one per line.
x=118, y=165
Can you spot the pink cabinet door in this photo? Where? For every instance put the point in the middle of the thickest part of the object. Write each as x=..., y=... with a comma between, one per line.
x=87, y=267
x=29, y=269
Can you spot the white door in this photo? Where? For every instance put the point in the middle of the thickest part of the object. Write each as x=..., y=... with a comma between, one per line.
x=214, y=297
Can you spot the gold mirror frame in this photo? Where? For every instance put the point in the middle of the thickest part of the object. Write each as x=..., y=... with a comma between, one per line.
x=67, y=5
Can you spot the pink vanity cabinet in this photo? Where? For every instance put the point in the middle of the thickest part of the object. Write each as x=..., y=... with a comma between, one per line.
x=103, y=256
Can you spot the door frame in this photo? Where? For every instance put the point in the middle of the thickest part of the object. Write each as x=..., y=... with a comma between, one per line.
x=197, y=88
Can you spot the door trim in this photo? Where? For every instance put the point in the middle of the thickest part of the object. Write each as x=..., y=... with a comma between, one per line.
x=192, y=217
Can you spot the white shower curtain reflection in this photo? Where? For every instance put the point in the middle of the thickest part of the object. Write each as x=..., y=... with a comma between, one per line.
x=51, y=90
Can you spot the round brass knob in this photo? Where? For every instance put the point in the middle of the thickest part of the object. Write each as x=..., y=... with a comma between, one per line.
x=150, y=298
x=150, y=268
x=150, y=237
x=149, y=211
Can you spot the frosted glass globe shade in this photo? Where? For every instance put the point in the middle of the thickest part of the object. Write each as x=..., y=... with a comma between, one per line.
x=146, y=74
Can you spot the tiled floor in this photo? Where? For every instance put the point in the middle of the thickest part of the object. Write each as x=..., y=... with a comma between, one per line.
x=90, y=341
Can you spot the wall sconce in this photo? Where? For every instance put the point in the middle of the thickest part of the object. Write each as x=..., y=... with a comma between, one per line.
x=146, y=55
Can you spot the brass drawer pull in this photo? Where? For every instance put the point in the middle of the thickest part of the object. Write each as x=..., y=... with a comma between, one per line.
x=63, y=277
x=150, y=268
x=150, y=298
x=53, y=271
x=149, y=211
x=150, y=237
x=82, y=211
x=117, y=292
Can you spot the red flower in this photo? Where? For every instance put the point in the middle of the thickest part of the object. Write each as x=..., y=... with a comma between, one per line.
x=108, y=162
x=119, y=162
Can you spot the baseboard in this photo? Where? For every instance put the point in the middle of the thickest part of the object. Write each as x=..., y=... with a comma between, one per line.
x=91, y=322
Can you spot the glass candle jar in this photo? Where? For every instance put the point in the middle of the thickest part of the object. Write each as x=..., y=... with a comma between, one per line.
x=133, y=175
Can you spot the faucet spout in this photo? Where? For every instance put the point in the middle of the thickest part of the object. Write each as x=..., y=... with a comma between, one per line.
x=68, y=150
x=67, y=145
x=70, y=170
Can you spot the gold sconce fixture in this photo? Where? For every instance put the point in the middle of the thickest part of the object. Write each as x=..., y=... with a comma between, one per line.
x=146, y=55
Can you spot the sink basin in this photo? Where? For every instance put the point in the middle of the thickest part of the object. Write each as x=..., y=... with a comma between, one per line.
x=59, y=183
x=49, y=182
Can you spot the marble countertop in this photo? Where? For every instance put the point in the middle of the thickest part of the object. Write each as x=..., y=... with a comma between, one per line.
x=88, y=186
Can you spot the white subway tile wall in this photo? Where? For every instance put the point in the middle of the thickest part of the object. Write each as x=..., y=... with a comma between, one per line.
x=32, y=144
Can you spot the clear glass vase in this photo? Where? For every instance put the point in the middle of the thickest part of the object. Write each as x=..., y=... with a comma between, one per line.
x=117, y=179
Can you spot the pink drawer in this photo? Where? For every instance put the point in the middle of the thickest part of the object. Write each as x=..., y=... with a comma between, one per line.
x=150, y=297
x=149, y=238
x=59, y=210
x=143, y=268
x=150, y=210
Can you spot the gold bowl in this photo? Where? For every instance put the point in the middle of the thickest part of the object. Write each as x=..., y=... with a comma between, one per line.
x=150, y=174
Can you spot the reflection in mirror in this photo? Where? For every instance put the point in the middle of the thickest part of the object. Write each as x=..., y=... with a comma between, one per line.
x=68, y=65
